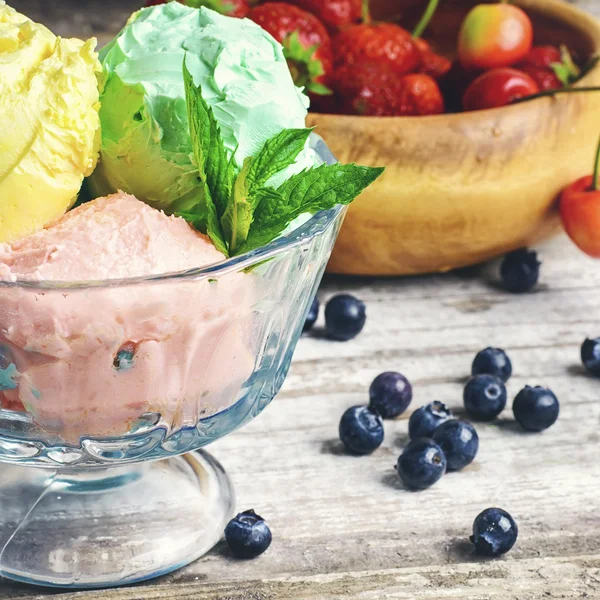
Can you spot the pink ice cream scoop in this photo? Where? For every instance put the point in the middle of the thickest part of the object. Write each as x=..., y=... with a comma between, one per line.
x=90, y=361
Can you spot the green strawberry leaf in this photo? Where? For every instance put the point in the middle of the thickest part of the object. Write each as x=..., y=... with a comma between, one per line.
x=308, y=192
x=304, y=65
x=319, y=89
x=566, y=70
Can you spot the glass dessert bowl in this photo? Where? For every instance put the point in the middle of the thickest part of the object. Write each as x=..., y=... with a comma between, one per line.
x=102, y=482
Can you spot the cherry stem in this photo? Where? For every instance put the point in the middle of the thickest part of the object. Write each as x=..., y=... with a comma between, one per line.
x=553, y=93
x=366, y=13
x=596, y=178
x=426, y=18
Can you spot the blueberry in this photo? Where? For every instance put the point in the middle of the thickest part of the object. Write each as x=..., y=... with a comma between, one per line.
x=361, y=430
x=390, y=394
x=590, y=356
x=520, y=271
x=313, y=315
x=492, y=361
x=421, y=464
x=345, y=317
x=494, y=532
x=536, y=409
x=459, y=442
x=484, y=397
x=425, y=420
x=248, y=535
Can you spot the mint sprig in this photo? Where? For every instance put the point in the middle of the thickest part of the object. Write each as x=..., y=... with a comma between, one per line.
x=239, y=211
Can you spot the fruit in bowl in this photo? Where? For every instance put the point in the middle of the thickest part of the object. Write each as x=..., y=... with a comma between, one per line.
x=464, y=187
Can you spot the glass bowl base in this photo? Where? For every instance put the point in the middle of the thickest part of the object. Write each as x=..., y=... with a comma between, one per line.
x=110, y=527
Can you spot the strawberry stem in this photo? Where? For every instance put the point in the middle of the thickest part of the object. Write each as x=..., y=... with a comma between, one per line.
x=366, y=13
x=426, y=18
x=596, y=178
x=553, y=93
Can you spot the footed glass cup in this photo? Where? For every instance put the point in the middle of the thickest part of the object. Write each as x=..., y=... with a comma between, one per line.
x=109, y=390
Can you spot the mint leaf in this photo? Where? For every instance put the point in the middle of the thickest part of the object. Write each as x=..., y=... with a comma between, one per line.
x=215, y=167
x=215, y=170
x=327, y=185
x=237, y=218
x=279, y=152
x=308, y=192
x=209, y=224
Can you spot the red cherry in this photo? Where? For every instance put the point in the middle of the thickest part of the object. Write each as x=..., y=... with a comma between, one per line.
x=497, y=88
x=580, y=213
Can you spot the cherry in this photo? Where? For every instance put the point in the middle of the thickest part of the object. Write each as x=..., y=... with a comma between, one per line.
x=580, y=211
x=493, y=36
x=497, y=88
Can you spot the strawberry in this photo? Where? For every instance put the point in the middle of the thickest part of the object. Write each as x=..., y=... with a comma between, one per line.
x=541, y=57
x=386, y=43
x=334, y=14
x=306, y=43
x=551, y=67
x=231, y=8
x=545, y=78
x=370, y=89
x=432, y=64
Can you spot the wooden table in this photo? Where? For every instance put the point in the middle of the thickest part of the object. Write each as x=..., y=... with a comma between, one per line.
x=344, y=527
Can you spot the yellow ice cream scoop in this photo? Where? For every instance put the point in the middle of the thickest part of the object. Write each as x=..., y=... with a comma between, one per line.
x=49, y=123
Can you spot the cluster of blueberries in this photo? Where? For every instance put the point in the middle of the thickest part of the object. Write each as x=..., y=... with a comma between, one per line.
x=439, y=443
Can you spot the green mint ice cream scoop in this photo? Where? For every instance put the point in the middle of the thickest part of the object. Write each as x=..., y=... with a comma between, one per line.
x=146, y=147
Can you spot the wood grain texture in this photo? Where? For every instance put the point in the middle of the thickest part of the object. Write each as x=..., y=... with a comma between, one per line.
x=344, y=528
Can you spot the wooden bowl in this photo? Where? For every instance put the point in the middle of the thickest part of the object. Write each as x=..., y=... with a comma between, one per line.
x=463, y=188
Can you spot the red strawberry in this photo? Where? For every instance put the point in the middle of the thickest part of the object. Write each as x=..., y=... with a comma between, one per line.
x=306, y=43
x=231, y=8
x=334, y=14
x=384, y=43
x=552, y=68
x=542, y=57
x=545, y=78
x=432, y=64
x=372, y=90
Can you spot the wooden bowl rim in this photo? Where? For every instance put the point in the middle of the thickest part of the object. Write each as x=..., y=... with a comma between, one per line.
x=550, y=7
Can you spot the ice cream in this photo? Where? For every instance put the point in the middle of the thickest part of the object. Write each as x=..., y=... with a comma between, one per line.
x=92, y=361
x=146, y=147
x=49, y=123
